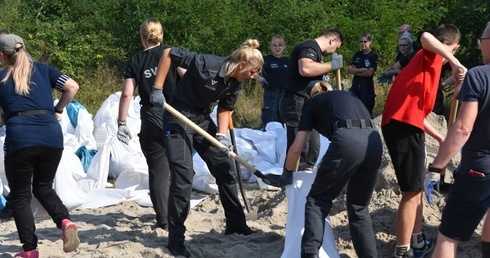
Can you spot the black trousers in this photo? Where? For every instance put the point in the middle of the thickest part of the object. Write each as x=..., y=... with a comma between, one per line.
x=36, y=167
x=353, y=158
x=181, y=140
x=291, y=107
x=153, y=147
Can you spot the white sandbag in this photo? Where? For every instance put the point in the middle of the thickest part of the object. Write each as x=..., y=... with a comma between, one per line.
x=104, y=197
x=97, y=172
x=296, y=196
x=133, y=178
x=264, y=142
x=281, y=140
x=123, y=156
x=65, y=183
x=203, y=180
x=66, y=126
x=84, y=129
x=324, y=143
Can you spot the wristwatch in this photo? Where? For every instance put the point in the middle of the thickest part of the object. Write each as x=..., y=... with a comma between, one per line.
x=121, y=122
x=58, y=111
x=430, y=168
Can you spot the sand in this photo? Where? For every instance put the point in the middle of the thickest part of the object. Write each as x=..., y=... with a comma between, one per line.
x=126, y=229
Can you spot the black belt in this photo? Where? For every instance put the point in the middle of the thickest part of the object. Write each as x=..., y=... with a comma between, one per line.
x=350, y=123
x=32, y=112
x=273, y=89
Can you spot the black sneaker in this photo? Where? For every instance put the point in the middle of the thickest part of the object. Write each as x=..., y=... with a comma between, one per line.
x=162, y=226
x=242, y=231
x=179, y=250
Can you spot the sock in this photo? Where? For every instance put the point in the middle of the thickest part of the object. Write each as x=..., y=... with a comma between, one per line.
x=418, y=240
x=485, y=249
x=401, y=249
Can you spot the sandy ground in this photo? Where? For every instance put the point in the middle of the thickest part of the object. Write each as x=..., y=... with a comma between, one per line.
x=126, y=229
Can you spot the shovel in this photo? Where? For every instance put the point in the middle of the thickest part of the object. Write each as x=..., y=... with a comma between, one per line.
x=269, y=179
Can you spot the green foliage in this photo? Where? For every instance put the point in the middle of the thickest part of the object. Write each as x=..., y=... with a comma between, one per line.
x=91, y=40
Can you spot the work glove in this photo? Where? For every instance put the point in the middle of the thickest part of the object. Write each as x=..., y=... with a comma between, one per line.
x=123, y=133
x=156, y=97
x=431, y=184
x=225, y=151
x=337, y=62
x=286, y=178
x=383, y=78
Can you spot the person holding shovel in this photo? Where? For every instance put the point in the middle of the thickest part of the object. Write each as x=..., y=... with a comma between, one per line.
x=208, y=79
x=306, y=65
x=410, y=100
x=344, y=120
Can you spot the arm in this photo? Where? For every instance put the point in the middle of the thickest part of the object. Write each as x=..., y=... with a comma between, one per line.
x=430, y=130
x=366, y=72
x=394, y=70
x=125, y=100
x=310, y=68
x=70, y=88
x=223, y=118
x=295, y=150
x=432, y=44
x=163, y=68
x=458, y=134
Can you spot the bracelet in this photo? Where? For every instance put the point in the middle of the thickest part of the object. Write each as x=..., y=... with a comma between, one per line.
x=430, y=168
x=58, y=111
x=121, y=122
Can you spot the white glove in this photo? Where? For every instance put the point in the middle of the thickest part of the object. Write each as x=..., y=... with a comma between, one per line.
x=225, y=151
x=123, y=133
x=337, y=62
x=156, y=97
x=431, y=183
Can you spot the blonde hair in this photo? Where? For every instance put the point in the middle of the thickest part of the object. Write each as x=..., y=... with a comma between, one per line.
x=152, y=31
x=319, y=87
x=248, y=53
x=19, y=65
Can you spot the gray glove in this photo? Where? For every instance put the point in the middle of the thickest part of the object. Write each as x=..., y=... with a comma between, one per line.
x=225, y=151
x=156, y=97
x=123, y=133
x=286, y=177
x=337, y=62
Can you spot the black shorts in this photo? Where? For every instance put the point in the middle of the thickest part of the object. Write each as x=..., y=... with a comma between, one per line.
x=406, y=145
x=466, y=204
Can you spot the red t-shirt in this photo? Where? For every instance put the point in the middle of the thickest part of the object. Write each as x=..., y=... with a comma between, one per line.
x=413, y=93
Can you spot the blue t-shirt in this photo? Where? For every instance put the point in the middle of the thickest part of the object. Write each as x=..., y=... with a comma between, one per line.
x=32, y=130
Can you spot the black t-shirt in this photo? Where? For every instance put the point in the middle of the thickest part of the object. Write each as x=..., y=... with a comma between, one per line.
x=324, y=109
x=361, y=60
x=143, y=68
x=203, y=83
x=274, y=71
x=306, y=49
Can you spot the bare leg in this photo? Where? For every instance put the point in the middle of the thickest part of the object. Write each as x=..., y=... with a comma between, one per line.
x=445, y=247
x=406, y=219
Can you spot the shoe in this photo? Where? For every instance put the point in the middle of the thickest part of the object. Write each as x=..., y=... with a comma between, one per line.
x=242, y=231
x=179, y=250
x=427, y=249
x=162, y=226
x=408, y=254
x=69, y=234
x=28, y=254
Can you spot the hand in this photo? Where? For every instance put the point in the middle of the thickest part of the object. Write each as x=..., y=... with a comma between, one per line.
x=337, y=62
x=123, y=133
x=286, y=177
x=225, y=151
x=458, y=73
x=156, y=97
x=431, y=183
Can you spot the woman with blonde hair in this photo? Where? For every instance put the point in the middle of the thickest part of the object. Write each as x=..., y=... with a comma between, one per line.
x=34, y=140
x=140, y=72
x=208, y=79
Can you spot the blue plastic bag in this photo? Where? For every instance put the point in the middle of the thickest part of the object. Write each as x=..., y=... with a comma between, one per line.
x=85, y=157
x=72, y=110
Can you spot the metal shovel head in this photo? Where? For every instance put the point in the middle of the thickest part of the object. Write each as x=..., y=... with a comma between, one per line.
x=269, y=179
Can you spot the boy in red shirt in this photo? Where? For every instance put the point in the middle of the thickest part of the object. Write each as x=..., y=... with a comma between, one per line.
x=410, y=100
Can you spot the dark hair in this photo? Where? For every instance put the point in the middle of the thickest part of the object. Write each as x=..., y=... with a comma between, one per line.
x=448, y=34
x=367, y=36
x=333, y=32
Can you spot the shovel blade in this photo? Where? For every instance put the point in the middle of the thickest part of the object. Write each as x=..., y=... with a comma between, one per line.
x=269, y=179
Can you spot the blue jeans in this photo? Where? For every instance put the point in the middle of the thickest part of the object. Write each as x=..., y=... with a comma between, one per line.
x=270, y=110
x=33, y=166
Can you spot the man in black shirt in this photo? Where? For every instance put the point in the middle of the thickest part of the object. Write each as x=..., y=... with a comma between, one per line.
x=353, y=157
x=306, y=65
